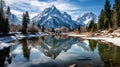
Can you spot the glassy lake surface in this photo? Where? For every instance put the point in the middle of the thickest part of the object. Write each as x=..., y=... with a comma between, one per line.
x=60, y=51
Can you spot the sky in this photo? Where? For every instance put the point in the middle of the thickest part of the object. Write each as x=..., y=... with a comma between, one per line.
x=72, y=7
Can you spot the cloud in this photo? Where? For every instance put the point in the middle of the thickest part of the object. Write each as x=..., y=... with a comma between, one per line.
x=19, y=7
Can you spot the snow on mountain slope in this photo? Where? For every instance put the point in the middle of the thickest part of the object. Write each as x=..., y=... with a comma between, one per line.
x=13, y=19
x=86, y=18
x=55, y=45
x=52, y=18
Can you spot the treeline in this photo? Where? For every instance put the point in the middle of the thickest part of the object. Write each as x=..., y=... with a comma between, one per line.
x=109, y=17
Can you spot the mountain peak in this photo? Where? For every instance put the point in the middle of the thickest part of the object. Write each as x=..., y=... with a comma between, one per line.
x=86, y=17
x=53, y=18
x=86, y=13
x=53, y=7
x=51, y=10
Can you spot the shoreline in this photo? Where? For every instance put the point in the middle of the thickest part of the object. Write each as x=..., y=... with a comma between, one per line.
x=113, y=40
x=7, y=39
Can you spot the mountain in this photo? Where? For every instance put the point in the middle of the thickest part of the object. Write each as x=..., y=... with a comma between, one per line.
x=13, y=19
x=52, y=18
x=52, y=47
x=86, y=18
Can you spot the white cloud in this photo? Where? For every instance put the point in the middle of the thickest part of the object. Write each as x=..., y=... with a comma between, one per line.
x=35, y=6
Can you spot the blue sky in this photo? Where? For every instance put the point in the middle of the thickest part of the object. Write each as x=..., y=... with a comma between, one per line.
x=72, y=7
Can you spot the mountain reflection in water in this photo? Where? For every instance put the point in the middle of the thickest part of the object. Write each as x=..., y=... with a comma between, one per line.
x=59, y=51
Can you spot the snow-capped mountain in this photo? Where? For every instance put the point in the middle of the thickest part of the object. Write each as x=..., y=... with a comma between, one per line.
x=53, y=47
x=13, y=19
x=52, y=18
x=86, y=18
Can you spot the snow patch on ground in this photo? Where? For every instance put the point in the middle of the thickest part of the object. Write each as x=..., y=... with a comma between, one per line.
x=5, y=41
x=3, y=45
x=76, y=35
x=115, y=41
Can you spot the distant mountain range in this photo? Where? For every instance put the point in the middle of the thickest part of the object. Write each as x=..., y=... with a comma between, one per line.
x=53, y=18
x=86, y=18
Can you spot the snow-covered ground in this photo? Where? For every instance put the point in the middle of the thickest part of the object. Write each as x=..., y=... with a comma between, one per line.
x=104, y=36
x=21, y=36
x=76, y=35
x=5, y=41
x=3, y=45
x=115, y=41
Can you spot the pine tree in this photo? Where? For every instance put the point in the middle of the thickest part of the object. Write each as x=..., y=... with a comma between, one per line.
x=115, y=6
x=92, y=27
x=101, y=25
x=24, y=25
x=114, y=19
x=27, y=17
x=116, y=13
x=79, y=29
x=25, y=21
x=107, y=9
x=2, y=20
x=8, y=10
x=53, y=30
x=118, y=17
x=6, y=27
x=104, y=21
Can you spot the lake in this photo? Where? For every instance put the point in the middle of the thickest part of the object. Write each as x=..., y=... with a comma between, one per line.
x=60, y=51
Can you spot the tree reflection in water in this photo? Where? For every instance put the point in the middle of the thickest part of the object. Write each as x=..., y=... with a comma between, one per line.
x=5, y=57
x=109, y=54
x=63, y=51
x=26, y=49
x=92, y=45
x=52, y=46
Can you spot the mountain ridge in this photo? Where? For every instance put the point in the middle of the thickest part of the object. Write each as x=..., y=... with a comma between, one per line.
x=13, y=19
x=52, y=18
x=86, y=18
